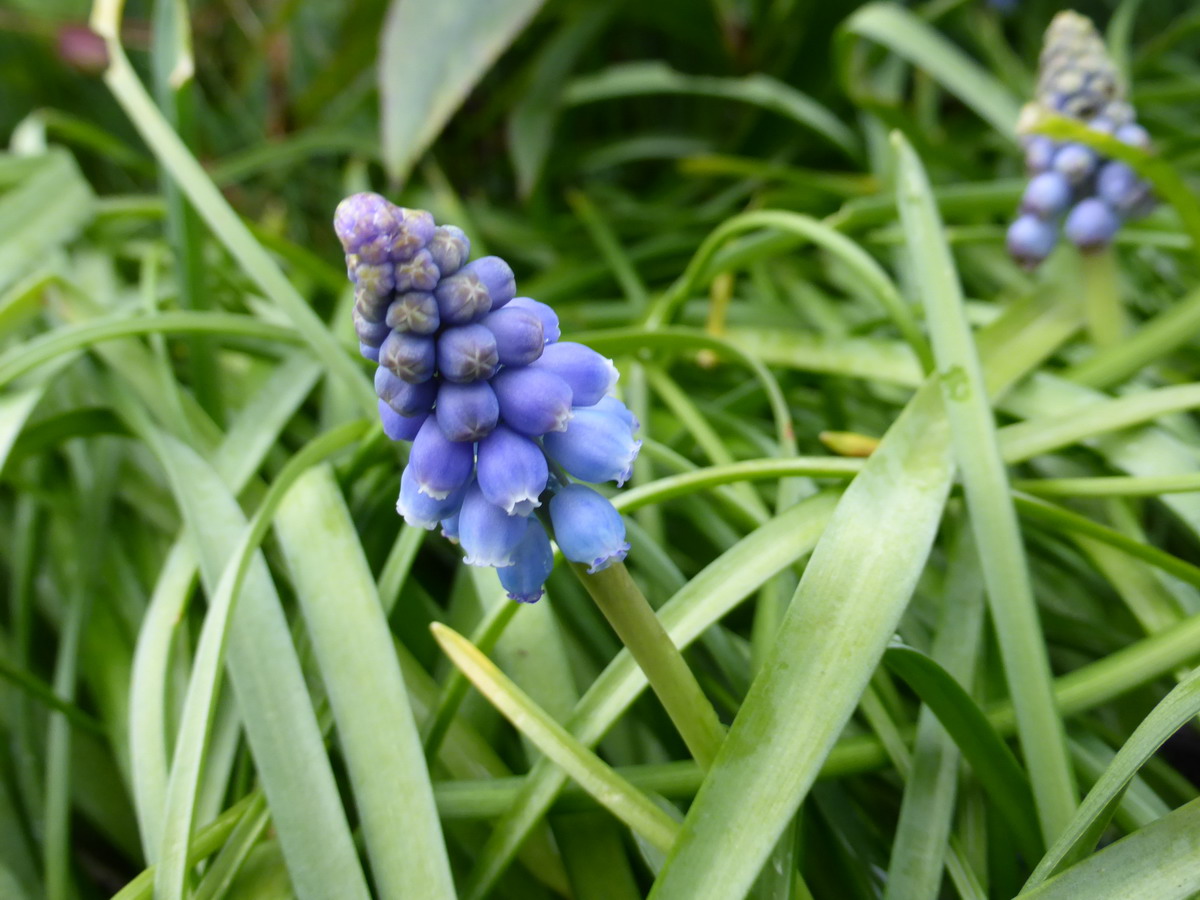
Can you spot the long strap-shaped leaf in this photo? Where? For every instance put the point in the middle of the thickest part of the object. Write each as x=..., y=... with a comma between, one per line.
x=993, y=763
x=1161, y=861
x=277, y=712
x=905, y=34
x=989, y=501
x=1097, y=809
x=358, y=665
x=856, y=586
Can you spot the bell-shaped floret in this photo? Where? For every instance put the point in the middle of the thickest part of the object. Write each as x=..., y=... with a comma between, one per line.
x=597, y=446
x=1119, y=186
x=533, y=560
x=398, y=427
x=487, y=533
x=1047, y=195
x=588, y=527
x=421, y=510
x=518, y=332
x=512, y=471
x=546, y=315
x=1030, y=240
x=1134, y=135
x=404, y=397
x=1039, y=153
x=467, y=412
x=532, y=401
x=1076, y=162
x=439, y=465
x=589, y=375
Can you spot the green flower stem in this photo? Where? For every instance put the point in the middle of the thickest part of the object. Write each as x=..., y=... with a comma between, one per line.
x=630, y=614
x=1104, y=311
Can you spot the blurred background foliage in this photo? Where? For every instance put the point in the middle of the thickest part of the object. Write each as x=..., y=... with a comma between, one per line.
x=596, y=154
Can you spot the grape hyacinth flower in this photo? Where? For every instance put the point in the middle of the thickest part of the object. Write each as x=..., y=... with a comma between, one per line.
x=1070, y=184
x=501, y=415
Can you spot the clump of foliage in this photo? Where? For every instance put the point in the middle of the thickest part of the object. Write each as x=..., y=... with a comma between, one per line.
x=912, y=531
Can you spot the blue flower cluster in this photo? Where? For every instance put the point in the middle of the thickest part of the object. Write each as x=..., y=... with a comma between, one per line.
x=501, y=414
x=1077, y=79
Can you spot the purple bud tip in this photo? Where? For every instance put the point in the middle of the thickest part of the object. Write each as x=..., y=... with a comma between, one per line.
x=450, y=249
x=417, y=273
x=496, y=276
x=409, y=356
x=467, y=353
x=462, y=298
x=415, y=229
x=367, y=225
x=370, y=333
x=415, y=311
x=467, y=412
x=371, y=307
x=374, y=280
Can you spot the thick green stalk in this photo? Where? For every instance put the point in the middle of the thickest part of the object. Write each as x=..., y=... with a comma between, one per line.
x=634, y=621
x=1102, y=298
